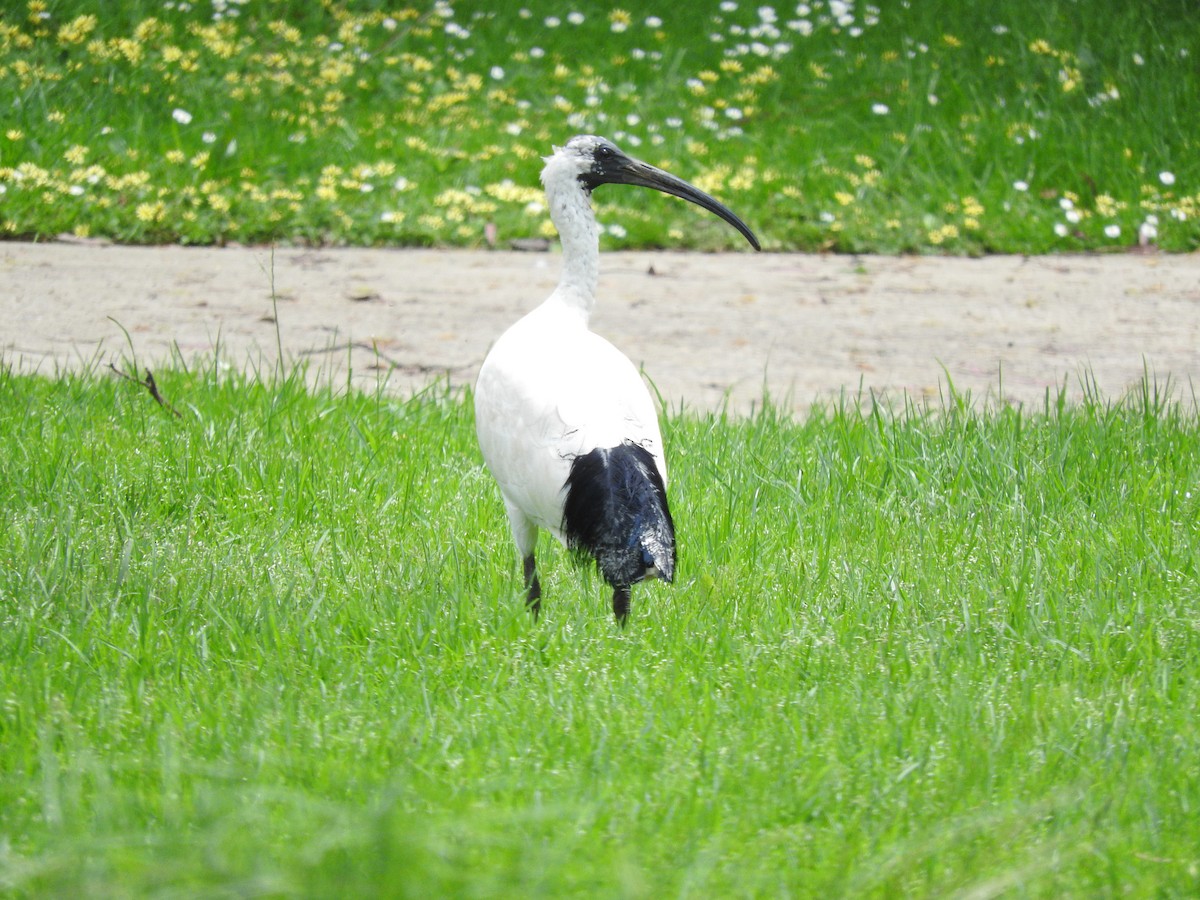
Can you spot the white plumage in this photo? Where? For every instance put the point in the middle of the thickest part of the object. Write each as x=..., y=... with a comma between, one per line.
x=560, y=412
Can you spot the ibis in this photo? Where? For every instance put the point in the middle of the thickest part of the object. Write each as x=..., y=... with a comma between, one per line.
x=565, y=423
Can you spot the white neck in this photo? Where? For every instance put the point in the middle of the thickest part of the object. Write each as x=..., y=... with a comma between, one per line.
x=571, y=212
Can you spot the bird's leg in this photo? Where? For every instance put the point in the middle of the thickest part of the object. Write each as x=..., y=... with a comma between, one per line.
x=621, y=604
x=533, y=587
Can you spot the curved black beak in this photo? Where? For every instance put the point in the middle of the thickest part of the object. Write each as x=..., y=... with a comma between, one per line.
x=614, y=167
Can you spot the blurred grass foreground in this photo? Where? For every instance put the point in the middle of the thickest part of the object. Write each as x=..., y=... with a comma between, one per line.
x=1018, y=126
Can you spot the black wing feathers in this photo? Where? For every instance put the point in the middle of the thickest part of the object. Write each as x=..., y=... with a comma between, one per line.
x=616, y=512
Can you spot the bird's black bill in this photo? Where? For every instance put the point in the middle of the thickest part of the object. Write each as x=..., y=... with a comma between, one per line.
x=635, y=172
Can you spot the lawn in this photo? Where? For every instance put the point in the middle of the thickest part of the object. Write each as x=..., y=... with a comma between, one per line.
x=276, y=646
x=269, y=640
x=1017, y=126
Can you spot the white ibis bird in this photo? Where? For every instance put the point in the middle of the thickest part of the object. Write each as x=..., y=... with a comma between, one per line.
x=565, y=423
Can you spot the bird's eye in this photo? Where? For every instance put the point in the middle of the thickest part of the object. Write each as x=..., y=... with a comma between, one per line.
x=604, y=152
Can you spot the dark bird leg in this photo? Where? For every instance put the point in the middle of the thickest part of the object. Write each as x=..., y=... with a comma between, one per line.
x=621, y=604
x=533, y=587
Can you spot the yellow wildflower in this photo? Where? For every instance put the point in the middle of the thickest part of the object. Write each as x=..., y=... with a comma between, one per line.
x=288, y=33
x=130, y=49
x=77, y=30
x=151, y=212
x=761, y=75
x=149, y=30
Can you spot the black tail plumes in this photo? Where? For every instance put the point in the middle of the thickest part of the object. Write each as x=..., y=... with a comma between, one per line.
x=616, y=511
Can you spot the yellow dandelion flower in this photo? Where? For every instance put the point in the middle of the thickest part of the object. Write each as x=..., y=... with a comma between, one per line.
x=175, y=157
x=619, y=20
x=743, y=180
x=945, y=233
x=77, y=30
x=865, y=161
x=14, y=134
x=288, y=33
x=57, y=116
x=843, y=198
x=951, y=41
x=708, y=76
x=418, y=64
x=713, y=181
x=150, y=212
x=130, y=49
x=762, y=75
x=508, y=192
x=1041, y=47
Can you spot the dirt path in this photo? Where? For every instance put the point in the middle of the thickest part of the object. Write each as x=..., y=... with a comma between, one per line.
x=703, y=326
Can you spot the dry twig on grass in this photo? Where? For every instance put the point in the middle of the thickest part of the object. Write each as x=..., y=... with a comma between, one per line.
x=149, y=384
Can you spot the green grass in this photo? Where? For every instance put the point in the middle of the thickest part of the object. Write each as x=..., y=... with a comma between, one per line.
x=276, y=647
x=1016, y=126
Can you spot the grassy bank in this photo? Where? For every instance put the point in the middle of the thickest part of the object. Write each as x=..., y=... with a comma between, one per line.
x=1021, y=126
x=276, y=646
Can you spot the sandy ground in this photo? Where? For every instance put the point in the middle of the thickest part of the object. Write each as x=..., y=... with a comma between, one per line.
x=704, y=327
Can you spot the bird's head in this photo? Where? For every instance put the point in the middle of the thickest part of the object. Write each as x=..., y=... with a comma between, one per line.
x=593, y=161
